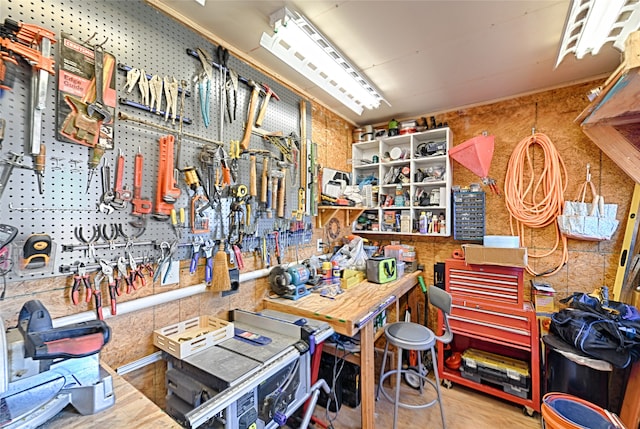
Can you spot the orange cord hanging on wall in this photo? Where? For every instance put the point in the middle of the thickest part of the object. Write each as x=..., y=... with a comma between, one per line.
x=536, y=198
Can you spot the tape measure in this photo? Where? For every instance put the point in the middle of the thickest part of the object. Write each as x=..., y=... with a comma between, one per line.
x=36, y=251
x=239, y=191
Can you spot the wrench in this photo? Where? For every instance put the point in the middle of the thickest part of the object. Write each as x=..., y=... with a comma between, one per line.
x=98, y=107
x=197, y=244
x=107, y=192
x=105, y=208
x=208, y=253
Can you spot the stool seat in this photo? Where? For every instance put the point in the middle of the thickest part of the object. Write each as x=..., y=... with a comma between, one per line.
x=410, y=336
x=414, y=337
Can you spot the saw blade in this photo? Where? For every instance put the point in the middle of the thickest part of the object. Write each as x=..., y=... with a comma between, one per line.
x=22, y=403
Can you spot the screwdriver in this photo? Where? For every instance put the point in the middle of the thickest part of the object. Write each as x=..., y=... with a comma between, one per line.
x=38, y=166
x=174, y=221
x=96, y=156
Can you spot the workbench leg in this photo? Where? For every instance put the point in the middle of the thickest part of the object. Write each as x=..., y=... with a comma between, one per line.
x=367, y=376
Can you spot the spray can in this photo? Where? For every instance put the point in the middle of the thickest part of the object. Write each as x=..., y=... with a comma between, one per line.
x=336, y=270
x=423, y=223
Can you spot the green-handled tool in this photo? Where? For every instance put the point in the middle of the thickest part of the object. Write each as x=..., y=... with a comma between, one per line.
x=423, y=286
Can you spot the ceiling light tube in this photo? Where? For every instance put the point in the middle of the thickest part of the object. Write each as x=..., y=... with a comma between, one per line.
x=592, y=23
x=296, y=42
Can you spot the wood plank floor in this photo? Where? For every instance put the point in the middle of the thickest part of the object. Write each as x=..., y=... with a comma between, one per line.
x=464, y=408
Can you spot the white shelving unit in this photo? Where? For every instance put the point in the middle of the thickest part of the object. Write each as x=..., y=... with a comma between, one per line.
x=436, y=169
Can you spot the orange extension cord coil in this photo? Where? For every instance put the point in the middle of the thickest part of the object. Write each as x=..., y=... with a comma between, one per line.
x=535, y=199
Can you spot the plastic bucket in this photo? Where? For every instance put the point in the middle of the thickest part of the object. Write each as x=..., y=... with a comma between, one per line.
x=563, y=411
x=357, y=135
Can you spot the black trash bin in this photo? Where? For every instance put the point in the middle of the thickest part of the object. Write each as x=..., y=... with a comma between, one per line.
x=570, y=371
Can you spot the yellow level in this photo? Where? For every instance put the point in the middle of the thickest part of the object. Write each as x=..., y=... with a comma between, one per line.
x=628, y=244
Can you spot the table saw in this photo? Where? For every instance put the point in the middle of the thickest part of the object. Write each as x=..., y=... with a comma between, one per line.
x=256, y=379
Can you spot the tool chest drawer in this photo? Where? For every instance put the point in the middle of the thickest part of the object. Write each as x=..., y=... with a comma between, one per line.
x=500, y=324
x=485, y=283
x=488, y=313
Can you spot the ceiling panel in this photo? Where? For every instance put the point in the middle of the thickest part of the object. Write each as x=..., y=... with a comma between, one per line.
x=424, y=56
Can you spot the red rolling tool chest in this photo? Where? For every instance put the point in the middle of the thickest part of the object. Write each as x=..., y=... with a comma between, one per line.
x=490, y=317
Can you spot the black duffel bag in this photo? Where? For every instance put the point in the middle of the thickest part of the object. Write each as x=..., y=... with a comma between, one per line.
x=598, y=332
x=593, y=335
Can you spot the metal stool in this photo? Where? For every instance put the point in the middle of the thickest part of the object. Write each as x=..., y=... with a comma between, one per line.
x=412, y=336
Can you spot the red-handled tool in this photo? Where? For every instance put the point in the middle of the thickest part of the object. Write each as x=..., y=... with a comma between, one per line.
x=42, y=341
x=121, y=191
x=107, y=271
x=97, y=295
x=167, y=191
x=80, y=279
x=135, y=273
x=238, y=253
x=140, y=206
x=77, y=346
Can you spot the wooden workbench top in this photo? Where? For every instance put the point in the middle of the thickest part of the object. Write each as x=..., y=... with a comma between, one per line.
x=131, y=410
x=345, y=310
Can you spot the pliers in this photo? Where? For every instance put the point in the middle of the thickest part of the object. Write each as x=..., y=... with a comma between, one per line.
x=135, y=273
x=171, y=94
x=123, y=276
x=226, y=80
x=147, y=266
x=221, y=157
x=80, y=279
x=166, y=258
x=97, y=293
x=107, y=271
x=204, y=85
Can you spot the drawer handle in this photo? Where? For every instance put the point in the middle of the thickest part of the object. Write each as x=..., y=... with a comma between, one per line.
x=495, y=313
x=488, y=325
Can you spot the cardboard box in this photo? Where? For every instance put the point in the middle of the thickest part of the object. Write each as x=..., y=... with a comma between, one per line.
x=506, y=257
x=543, y=297
x=77, y=91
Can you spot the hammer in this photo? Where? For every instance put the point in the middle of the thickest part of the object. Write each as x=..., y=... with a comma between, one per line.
x=263, y=108
x=277, y=195
x=255, y=93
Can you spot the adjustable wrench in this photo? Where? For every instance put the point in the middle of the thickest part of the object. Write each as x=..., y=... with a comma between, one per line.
x=107, y=191
x=208, y=253
x=98, y=107
x=197, y=243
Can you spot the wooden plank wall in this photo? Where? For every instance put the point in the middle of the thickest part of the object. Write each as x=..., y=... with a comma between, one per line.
x=590, y=264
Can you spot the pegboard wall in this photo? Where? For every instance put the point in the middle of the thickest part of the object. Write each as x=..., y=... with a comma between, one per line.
x=137, y=36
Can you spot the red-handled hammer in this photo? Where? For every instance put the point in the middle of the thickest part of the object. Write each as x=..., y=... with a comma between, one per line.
x=263, y=108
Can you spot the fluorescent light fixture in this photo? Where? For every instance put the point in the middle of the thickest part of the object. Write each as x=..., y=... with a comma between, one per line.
x=201, y=2
x=592, y=23
x=296, y=42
